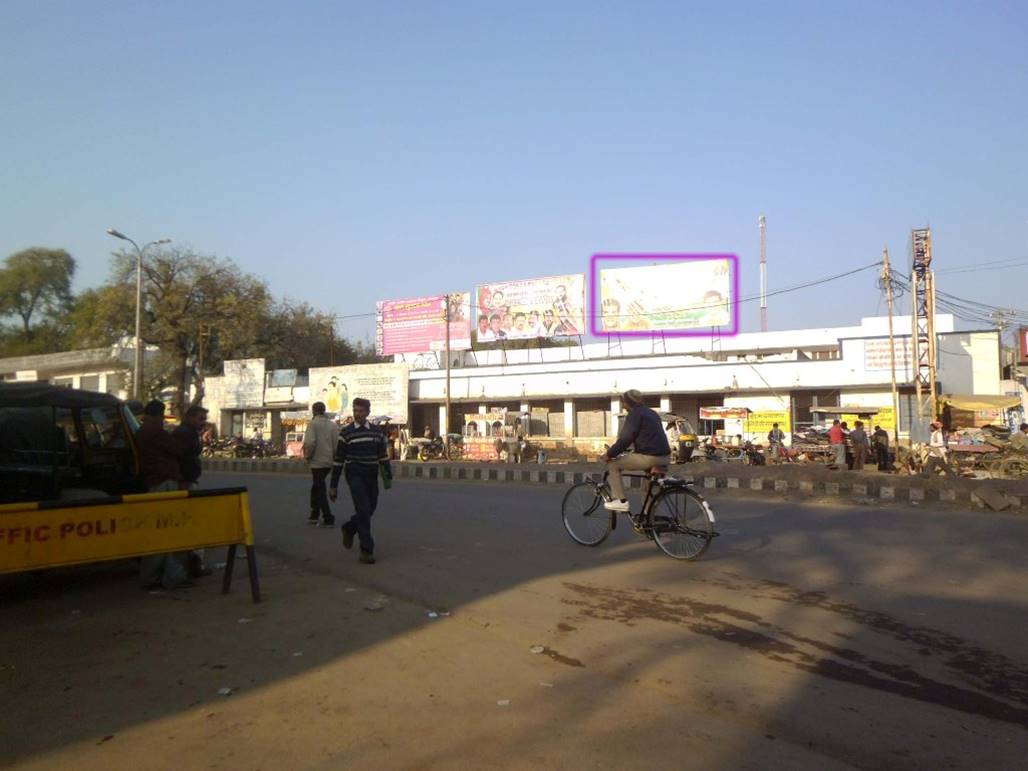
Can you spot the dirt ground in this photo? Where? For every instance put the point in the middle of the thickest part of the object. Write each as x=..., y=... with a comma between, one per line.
x=811, y=638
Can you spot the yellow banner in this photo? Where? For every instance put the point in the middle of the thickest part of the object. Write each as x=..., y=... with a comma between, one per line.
x=886, y=418
x=32, y=537
x=761, y=422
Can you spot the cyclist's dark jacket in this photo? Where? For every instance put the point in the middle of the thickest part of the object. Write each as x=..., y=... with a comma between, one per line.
x=643, y=429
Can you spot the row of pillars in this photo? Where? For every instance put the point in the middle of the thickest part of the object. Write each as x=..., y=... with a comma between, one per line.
x=569, y=414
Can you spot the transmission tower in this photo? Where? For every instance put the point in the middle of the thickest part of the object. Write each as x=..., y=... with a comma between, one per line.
x=923, y=299
x=762, y=222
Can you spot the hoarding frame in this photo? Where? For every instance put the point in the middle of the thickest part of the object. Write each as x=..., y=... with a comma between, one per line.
x=476, y=294
x=457, y=343
x=593, y=309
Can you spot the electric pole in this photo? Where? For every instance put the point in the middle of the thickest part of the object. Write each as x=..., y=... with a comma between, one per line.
x=762, y=222
x=887, y=279
x=923, y=301
x=445, y=427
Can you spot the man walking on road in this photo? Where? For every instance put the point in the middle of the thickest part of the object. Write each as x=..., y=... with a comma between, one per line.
x=319, y=445
x=838, y=440
x=645, y=433
x=361, y=450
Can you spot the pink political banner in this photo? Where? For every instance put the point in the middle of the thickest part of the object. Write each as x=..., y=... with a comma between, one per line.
x=417, y=325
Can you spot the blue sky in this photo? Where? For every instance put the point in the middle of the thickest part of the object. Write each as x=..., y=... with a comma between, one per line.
x=349, y=152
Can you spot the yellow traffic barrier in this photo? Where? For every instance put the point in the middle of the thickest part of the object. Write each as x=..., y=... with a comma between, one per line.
x=49, y=534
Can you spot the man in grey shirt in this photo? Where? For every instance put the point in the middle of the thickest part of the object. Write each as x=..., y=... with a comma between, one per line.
x=861, y=447
x=319, y=446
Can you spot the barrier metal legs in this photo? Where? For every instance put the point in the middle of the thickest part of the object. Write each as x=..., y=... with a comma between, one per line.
x=251, y=564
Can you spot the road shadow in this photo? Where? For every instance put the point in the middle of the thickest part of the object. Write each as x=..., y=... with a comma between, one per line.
x=845, y=604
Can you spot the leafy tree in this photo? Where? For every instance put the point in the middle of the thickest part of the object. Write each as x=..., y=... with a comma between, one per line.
x=36, y=283
x=197, y=309
x=296, y=336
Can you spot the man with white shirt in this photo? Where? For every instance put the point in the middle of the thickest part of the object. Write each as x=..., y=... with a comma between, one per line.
x=937, y=452
x=319, y=446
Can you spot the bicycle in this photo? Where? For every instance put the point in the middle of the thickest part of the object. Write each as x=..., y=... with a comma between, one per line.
x=674, y=515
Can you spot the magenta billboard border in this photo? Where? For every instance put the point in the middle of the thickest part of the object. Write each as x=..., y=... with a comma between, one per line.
x=664, y=257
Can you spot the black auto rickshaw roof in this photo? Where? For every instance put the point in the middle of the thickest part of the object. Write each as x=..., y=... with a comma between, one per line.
x=45, y=395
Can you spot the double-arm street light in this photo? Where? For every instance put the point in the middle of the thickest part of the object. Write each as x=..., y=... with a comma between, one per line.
x=137, y=378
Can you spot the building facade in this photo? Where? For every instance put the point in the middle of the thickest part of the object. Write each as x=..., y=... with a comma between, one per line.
x=573, y=392
x=104, y=370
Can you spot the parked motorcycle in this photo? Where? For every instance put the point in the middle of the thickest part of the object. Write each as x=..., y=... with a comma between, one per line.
x=435, y=449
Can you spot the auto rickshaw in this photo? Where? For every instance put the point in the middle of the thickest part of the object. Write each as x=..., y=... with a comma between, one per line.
x=60, y=442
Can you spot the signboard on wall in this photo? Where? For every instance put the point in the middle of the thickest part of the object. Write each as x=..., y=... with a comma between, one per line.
x=886, y=418
x=531, y=308
x=243, y=384
x=877, y=356
x=723, y=413
x=418, y=325
x=1022, y=344
x=689, y=294
x=762, y=422
x=484, y=423
x=385, y=385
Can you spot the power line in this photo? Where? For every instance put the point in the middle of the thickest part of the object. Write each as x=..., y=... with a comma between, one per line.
x=753, y=298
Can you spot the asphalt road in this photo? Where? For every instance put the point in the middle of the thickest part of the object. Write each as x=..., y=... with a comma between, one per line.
x=809, y=636
x=816, y=622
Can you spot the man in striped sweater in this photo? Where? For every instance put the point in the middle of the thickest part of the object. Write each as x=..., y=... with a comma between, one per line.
x=360, y=451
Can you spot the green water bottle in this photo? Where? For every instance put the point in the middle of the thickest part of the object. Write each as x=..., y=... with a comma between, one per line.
x=387, y=479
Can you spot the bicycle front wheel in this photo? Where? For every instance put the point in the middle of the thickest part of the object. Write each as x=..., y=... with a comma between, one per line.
x=683, y=524
x=585, y=519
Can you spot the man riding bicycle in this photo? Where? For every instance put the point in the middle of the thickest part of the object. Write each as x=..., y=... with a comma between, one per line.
x=643, y=430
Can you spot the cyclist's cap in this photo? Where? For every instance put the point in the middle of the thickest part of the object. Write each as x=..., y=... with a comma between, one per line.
x=632, y=397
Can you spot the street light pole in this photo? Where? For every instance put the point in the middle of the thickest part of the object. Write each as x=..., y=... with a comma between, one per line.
x=137, y=376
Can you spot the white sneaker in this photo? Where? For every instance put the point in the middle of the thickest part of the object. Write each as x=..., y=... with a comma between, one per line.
x=617, y=506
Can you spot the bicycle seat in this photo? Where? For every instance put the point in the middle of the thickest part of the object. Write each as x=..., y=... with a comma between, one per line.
x=657, y=472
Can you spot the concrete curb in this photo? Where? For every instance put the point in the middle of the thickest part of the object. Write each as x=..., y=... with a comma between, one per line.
x=899, y=489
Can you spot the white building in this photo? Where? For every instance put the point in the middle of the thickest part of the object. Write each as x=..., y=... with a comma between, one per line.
x=573, y=391
x=104, y=370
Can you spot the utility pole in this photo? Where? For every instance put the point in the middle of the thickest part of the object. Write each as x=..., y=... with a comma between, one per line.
x=887, y=279
x=762, y=222
x=923, y=301
x=445, y=427
x=332, y=341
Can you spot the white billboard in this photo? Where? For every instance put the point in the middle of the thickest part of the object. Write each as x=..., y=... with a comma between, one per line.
x=384, y=385
x=530, y=308
x=684, y=295
x=243, y=385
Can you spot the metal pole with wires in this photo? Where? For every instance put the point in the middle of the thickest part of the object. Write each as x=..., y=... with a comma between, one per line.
x=887, y=282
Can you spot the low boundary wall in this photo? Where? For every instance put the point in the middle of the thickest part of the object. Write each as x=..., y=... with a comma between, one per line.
x=809, y=481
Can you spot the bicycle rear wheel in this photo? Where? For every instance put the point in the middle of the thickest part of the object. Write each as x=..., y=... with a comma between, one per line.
x=683, y=524
x=585, y=519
